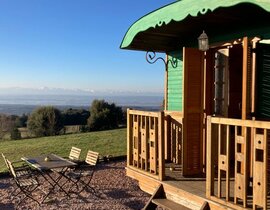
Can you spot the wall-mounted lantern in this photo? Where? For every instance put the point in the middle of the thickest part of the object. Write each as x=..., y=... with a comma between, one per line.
x=203, y=42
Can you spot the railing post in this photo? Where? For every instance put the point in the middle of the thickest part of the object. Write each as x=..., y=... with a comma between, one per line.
x=209, y=161
x=161, y=160
x=129, y=138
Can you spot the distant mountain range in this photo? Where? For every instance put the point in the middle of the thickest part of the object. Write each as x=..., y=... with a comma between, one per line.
x=19, y=104
x=63, y=91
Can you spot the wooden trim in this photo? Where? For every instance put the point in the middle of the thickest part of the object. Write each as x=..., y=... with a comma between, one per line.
x=174, y=114
x=253, y=96
x=244, y=80
x=253, y=85
x=237, y=122
x=144, y=113
x=143, y=172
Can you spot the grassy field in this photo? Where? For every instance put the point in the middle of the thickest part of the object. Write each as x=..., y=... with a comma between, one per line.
x=112, y=142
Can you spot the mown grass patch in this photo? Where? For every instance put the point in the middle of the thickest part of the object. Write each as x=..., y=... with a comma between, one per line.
x=112, y=142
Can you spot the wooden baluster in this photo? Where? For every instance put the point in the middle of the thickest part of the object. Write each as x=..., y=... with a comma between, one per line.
x=152, y=137
x=223, y=160
x=209, y=161
x=241, y=166
x=228, y=163
x=260, y=170
x=130, y=138
x=161, y=161
x=219, y=161
x=147, y=143
x=136, y=140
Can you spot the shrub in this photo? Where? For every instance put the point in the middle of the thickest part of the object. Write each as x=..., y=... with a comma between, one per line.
x=45, y=121
x=104, y=115
x=15, y=134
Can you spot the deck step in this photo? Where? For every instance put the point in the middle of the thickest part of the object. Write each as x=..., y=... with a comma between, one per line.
x=168, y=204
x=159, y=199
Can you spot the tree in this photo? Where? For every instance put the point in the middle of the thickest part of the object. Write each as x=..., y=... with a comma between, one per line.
x=75, y=116
x=7, y=124
x=45, y=121
x=21, y=121
x=15, y=134
x=104, y=115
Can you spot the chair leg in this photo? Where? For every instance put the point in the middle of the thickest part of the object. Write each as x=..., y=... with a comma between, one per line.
x=28, y=194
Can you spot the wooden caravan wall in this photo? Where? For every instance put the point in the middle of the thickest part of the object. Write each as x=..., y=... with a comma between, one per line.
x=175, y=83
x=193, y=111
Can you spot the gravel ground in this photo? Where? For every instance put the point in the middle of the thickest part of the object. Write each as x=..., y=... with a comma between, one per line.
x=115, y=191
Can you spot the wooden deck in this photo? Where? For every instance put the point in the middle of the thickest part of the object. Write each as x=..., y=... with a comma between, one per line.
x=190, y=192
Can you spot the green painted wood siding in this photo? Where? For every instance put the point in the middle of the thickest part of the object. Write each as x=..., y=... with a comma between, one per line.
x=175, y=81
x=263, y=81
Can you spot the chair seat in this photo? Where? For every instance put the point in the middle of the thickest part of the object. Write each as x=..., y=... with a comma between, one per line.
x=28, y=182
x=78, y=175
x=22, y=173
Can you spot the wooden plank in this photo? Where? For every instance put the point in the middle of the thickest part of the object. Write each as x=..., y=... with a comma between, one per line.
x=167, y=138
x=209, y=161
x=253, y=84
x=167, y=204
x=241, y=170
x=244, y=80
x=153, y=145
x=143, y=143
x=237, y=122
x=129, y=138
x=139, y=171
x=161, y=160
x=228, y=163
x=144, y=113
x=219, y=161
x=260, y=166
x=159, y=192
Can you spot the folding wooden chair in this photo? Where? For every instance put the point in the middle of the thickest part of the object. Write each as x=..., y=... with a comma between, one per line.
x=74, y=154
x=21, y=170
x=26, y=184
x=83, y=175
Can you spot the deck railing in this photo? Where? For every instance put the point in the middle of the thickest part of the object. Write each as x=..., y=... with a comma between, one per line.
x=237, y=162
x=153, y=137
x=145, y=145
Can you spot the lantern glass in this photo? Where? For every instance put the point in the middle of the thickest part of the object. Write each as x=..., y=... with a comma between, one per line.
x=203, y=42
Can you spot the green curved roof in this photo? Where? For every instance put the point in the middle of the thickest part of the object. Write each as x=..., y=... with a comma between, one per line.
x=180, y=10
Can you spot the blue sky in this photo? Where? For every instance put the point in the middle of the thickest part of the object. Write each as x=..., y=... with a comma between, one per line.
x=74, y=44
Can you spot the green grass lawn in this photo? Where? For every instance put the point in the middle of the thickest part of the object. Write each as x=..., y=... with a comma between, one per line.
x=112, y=142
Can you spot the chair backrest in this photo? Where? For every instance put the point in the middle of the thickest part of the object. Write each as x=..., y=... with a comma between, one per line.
x=12, y=170
x=5, y=160
x=91, y=158
x=74, y=153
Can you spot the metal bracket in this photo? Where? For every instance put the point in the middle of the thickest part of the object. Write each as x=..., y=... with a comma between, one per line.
x=151, y=58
